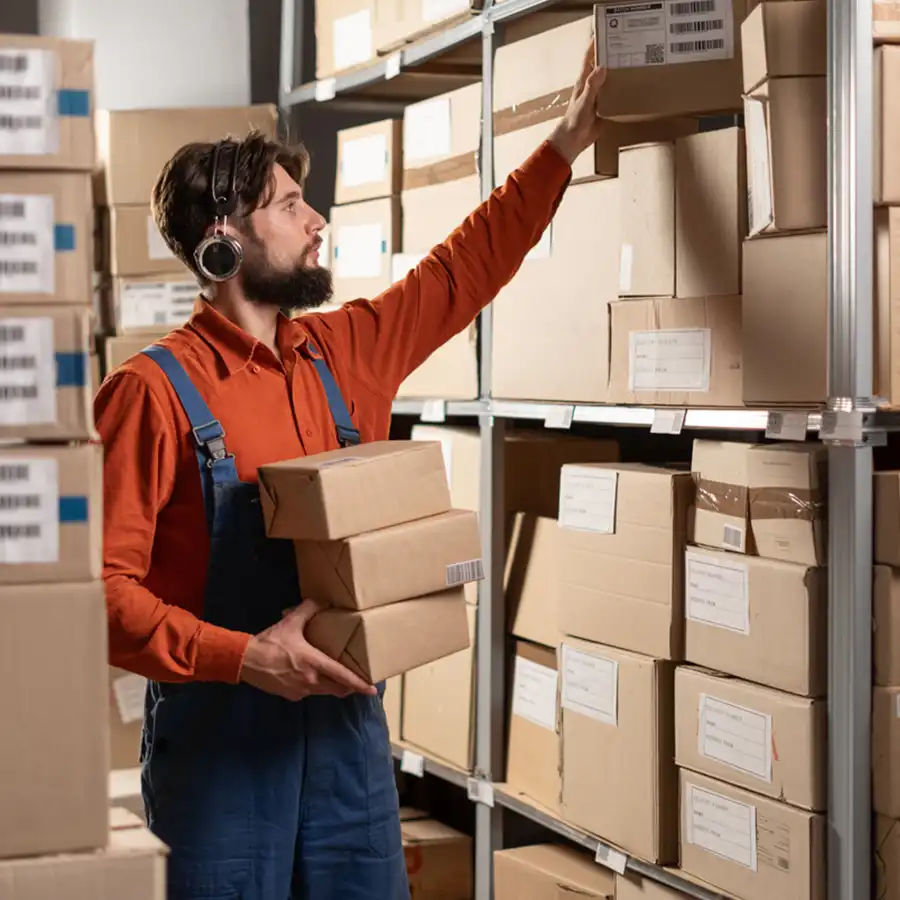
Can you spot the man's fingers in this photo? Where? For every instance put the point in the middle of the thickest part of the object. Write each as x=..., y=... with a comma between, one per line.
x=595, y=81
x=338, y=673
x=587, y=66
x=300, y=615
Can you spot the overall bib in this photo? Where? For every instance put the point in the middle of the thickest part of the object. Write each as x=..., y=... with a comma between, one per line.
x=258, y=797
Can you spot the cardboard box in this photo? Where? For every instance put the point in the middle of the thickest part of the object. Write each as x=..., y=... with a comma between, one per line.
x=757, y=619
x=653, y=76
x=146, y=304
x=788, y=496
x=127, y=693
x=885, y=128
x=886, y=25
x=624, y=530
x=46, y=236
x=134, y=145
x=886, y=853
x=887, y=518
x=647, y=261
x=784, y=40
x=117, y=350
x=787, y=148
x=618, y=768
x=48, y=93
x=533, y=748
x=346, y=492
x=412, y=559
x=370, y=161
x=439, y=705
x=885, y=746
x=53, y=801
x=389, y=640
x=710, y=212
x=684, y=352
x=132, y=245
x=749, y=845
x=886, y=288
x=549, y=871
x=125, y=793
x=364, y=237
x=438, y=860
x=886, y=632
x=45, y=373
x=767, y=741
x=786, y=295
x=633, y=887
x=560, y=352
x=344, y=35
x=51, y=513
x=398, y=21
x=721, y=516
x=392, y=701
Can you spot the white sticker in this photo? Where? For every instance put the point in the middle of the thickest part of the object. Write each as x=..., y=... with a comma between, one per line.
x=129, y=691
x=590, y=685
x=392, y=66
x=435, y=10
x=669, y=360
x=27, y=371
x=736, y=736
x=29, y=510
x=559, y=417
x=759, y=176
x=352, y=39
x=465, y=572
x=668, y=421
x=611, y=858
x=717, y=592
x=326, y=88
x=721, y=826
x=787, y=426
x=358, y=250
x=734, y=538
x=29, y=119
x=364, y=160
x=157, y=248
x=426, y=131
x=587, y=499
x=403, y=263
x=534, y=693
x=144, y=304
x=897, y=701
x=434, y=411
x=661, y=32
x=480, y=791
x=27, y=252
x=544, y=247
x=412, y=764
x=626, y=266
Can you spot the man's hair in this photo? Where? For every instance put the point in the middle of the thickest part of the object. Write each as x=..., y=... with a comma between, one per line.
x=182, y=201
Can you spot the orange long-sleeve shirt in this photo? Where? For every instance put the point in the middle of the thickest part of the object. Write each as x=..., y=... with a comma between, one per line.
x=156, y=541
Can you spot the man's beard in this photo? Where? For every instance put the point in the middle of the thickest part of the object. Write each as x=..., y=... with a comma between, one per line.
x=301, y=287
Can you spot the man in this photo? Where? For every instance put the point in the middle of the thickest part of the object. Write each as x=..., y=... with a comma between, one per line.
x=266, y=766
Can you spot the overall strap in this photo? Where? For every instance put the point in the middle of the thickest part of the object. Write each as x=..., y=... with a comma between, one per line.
x=347, y=433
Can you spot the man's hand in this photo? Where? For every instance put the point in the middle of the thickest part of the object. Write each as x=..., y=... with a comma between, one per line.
x=580, y=126
x=281, y=661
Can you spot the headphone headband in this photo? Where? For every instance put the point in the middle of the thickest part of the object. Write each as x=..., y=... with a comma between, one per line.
x=224, y=204
x=219, y=256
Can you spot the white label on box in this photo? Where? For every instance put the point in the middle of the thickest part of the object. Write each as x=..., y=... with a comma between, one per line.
x=587, y=499
x=364, y=160
x=129, y=691
x=717, y=592
x=157, y=248
x=544, y=247
x=144, y=304
x=759, y=175
x=27, y=371
x=358, y=250
x=534, y=693
x=734, y=537
x=403, y=263
x=352, y=39
x=670, y=359
x=664, y=32
x=426, y=131
x=590, y=685
x=897, y=701
x=721, y=826
x=29, y=120
x=29, y=510
x=736, y=736
x=465, y=572
x=435, y=10
x=27, y=252
x=626, y=267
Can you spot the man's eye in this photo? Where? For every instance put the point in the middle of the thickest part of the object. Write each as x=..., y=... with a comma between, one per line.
x=291, y=206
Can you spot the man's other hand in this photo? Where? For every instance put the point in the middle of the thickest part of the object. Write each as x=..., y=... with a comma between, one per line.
x=580, y=126
x=281, y=661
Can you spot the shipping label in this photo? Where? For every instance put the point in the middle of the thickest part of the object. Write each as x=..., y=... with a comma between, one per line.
x=736, y=736
x=759, y=172
x=29, y=510
x=29, y=123
x=534, y=693
x=717, y=592
x=669, y=360
x=427, y=131
x=165, y=304
x=721, y=826
x=352, y=37
x=590, y=685
x=358, y=250
x=465, y=572
x=27, y=371
x=27, y=253
x=587, y=499
x=157, y=248
x=364, y=160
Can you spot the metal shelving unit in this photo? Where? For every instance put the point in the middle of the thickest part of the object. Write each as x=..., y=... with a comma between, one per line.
x=849, y=425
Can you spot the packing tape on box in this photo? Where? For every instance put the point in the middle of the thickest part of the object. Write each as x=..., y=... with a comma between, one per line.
x=531, y=112
x=719, y=497
x=456, y=167
x=786, y=503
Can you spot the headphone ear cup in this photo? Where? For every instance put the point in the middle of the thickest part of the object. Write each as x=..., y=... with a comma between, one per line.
x=219, y=257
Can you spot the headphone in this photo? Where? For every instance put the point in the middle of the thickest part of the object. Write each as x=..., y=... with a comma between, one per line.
x=219, y=256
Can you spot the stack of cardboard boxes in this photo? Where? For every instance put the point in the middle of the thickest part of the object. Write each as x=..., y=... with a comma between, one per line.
x=54, y=807
x=438, y=858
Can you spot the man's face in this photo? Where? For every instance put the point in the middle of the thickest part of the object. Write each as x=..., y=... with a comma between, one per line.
x=281, y=251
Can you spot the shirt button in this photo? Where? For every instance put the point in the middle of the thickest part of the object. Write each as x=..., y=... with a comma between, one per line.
x=309, y=432
x=254, y=369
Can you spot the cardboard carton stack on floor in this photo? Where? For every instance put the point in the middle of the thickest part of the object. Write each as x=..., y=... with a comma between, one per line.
x=438, y=858
x=53, y=668
x=145, y=291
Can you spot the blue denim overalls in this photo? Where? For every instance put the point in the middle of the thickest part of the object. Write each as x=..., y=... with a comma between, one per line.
x=258, y=797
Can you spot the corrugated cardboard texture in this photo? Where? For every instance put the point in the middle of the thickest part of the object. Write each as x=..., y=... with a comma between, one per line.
x=619, y=779
x=721, y=516
x=885, y=750
x=789, y=844
x=132, y=244
x=343, y=45
x=407, y=560
x=559, y=350
x=389, y=640
x=785, y=296
x=370, y=161
x=53, y=798
x=64, y=234
x=786, y=608
x=134, y=145
x=626, y=589
x=346, y=492
x=886, y=636
x=146, y=304
x=51, y=514
x=887, y=518
x=438, y=705
x=886, y=125
x=886, y=854
x=767, y=741
x=72, y=64
x=689, y=348
x=393, y=706
x=438, y=860
x=550, y=872
x=117, y=350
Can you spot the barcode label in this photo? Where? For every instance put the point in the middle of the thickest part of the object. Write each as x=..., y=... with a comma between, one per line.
x=692, y=8
x=14, y=473
x=27, y=372
x=29, y=510
x=27, y=252
x=17, y=239
x=149, y=304
x=655, y=55
x=14, y=209
x=11, y=334
x=733, y=537
x=16, y=501
x=696, y=46
x=15, y=363
x=29, y=122
x=464, y=572
x=13, y=62
x=700, y=26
